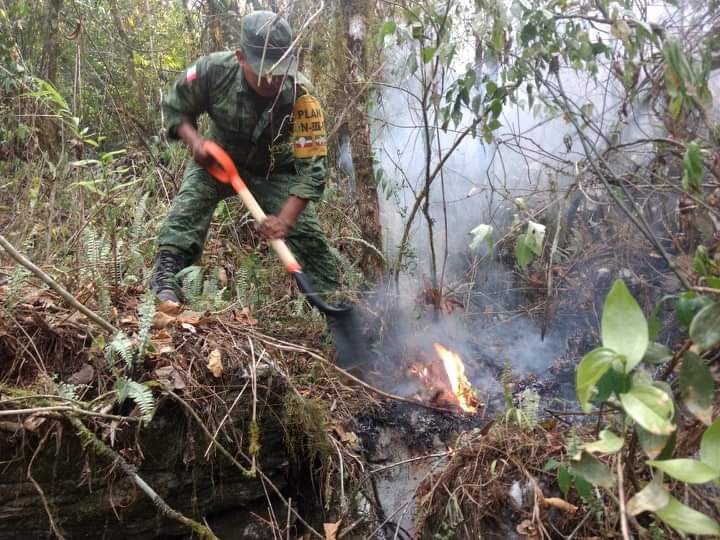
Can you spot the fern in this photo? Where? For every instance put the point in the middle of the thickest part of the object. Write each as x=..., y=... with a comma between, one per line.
x=529, y=406
x=139, y=393
x=573, y=444
x=146, y=311
x=68, y=391
x=97, y=252
x=17, y=280
x=137, y=227
x=120, y=346
x=243, y=286
x=506, y=380
x=192, y=283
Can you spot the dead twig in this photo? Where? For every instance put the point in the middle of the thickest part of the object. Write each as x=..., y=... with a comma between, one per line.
x=54, y=285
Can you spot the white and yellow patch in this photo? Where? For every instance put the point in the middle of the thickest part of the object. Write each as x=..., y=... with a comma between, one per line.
x=309, y=137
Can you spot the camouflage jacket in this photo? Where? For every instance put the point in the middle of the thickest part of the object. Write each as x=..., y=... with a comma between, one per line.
x=283, y=135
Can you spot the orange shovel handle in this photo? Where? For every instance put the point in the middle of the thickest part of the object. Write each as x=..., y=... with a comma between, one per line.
x=226, y=172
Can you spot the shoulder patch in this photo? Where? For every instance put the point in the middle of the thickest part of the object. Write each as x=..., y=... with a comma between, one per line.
x=308, y=134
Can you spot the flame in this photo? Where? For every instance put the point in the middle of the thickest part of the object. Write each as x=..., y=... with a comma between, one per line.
x=455, y=370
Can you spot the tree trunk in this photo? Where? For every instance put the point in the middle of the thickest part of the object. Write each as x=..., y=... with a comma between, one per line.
x=51, y=41
x=355, y=18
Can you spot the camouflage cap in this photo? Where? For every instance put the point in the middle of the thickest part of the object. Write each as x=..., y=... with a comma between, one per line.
x=265, y=37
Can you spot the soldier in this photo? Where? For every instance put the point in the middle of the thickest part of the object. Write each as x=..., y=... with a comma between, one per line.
x=262, y=113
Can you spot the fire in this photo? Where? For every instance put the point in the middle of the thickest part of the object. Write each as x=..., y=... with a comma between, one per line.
x=455, y=370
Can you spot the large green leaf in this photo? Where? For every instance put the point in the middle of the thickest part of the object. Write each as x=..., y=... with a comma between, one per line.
x=657, y=353
x=697, y=387
x=592, y=367
x=609, y=443
x=705, y=326
x=624, y=329
x=710, y=446
x=650, y=407
x=686, y=520
x=652, y=497
x=593, y=470
x=688, y=305
x=655, y=446
x=687, y=470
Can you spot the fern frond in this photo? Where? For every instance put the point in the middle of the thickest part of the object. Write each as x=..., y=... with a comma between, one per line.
x=506, y=380
x=122, y=347
x=242, y=286
x=139, y=393
x=68, y=391
x=137, y=227
x=17, y=280
x=529, y=406
x=146, y=312
x=192, y=283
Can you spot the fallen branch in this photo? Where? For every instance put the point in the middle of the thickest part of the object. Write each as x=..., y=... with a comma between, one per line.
x=101, y=449
x=55, y=286
x=65, y=408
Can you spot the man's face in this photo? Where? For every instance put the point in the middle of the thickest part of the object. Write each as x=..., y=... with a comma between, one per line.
x=266, y=86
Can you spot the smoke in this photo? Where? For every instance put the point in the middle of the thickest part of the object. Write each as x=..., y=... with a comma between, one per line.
x=534, y=156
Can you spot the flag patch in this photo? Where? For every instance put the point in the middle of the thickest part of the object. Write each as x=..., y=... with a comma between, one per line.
x=191, y=74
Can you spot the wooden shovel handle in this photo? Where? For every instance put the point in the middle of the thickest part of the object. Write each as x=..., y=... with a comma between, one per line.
x=226, y=172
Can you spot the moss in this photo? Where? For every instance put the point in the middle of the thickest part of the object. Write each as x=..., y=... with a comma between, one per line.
x=305, y=435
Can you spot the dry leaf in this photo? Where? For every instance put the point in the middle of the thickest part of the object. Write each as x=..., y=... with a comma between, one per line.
x=527, y=530
x=189, y=327
x=169, y=308
x=245, y=317
x=331, y=530
x=190, y=317
x=32, y=422
x=565, y=506
x=170, y=377
x=128, y=321
x=83, y=376
x=162, y=320
x=215, y=363
x=222, y=278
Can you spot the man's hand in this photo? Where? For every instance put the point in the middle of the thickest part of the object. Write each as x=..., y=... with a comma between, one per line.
x=194, y=142
x=273, y=227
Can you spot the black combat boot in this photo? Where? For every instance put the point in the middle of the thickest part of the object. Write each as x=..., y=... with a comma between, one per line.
x=163, y=281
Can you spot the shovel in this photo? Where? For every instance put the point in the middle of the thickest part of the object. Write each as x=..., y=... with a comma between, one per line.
x=343, y=322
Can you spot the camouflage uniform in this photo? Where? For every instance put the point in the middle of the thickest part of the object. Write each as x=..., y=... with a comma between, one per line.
x=261, y=136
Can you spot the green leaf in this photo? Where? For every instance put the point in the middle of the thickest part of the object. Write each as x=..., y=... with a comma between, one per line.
x=584, y=489
x=652, y=497
x=689, y=304
x=564, y=479
x=551, y=464
x=428, y=53
x=523, y=254
x=657, y=353
x=697, y=387
x=655, y=446
x=609, y=443
x=693, y=169
x=687, y=470
x=705, y=326
x=624, y=329
x=613, y=382
x=710, y=446
x=686, y=520
x=650, y=407
x=481, y=233
x=593, y=470
x=592, y=367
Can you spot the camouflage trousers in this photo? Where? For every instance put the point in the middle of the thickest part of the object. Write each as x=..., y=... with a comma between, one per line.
x=188, y=221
